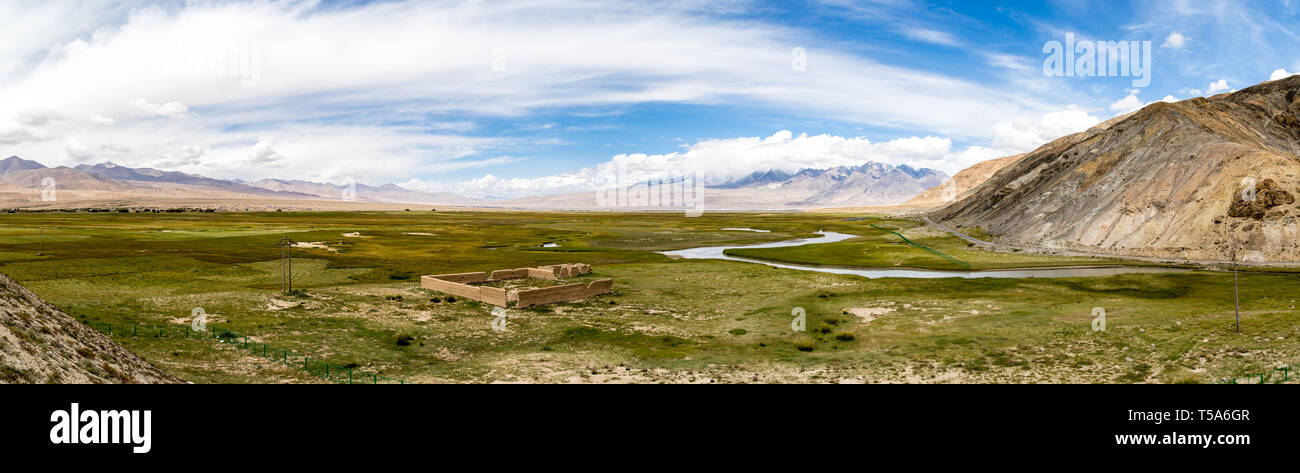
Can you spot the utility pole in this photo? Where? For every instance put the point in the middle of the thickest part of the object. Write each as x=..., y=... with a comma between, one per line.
x=1236, y=295
x=286, y=265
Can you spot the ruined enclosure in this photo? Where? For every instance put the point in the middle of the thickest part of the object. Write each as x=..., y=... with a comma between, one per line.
x=471, y=285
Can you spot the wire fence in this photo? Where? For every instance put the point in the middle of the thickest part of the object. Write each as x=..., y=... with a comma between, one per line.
x=1263, y=377
x=926, y=248
x=316, y=367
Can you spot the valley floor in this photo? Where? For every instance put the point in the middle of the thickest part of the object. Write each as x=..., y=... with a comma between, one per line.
x=668, y=320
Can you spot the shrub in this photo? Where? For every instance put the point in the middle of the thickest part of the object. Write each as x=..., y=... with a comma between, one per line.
x=737, y=331
x=451, y=298
x=805, y=345
x=404, y=339
x=844, y=336
x=436, y=300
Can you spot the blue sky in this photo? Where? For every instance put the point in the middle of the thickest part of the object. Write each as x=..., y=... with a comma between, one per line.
x=516, y=97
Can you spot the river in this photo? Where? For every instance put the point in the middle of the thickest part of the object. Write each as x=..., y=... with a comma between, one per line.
x=716, y=252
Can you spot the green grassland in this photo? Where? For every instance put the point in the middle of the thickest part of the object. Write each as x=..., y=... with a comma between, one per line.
x=667, y=321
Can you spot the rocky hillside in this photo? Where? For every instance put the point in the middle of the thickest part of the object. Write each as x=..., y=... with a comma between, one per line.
x=41, y=344
x=963, y=181
x=1197, y=179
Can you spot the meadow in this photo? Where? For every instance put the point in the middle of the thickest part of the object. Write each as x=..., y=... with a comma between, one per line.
x=361, y=306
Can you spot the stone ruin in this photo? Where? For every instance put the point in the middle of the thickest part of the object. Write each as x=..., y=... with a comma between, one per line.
x=463, y=285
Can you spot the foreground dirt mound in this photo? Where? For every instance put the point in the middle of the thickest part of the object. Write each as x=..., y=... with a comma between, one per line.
x=1164, y=181
x=41, y=344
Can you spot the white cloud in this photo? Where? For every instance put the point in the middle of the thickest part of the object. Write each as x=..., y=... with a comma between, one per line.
x=1026, y=134
x=1279, y=74
x=1008, y=61
x=932, y=36
x=1131, y=103
x=721, y=160
x=416, y=60
x=718, y=161
x=1220, y=85
x=77, y=150
x=150, y=110
x=1127, y=104
x=183, y=156
x=1175, y=40
x=261, y=153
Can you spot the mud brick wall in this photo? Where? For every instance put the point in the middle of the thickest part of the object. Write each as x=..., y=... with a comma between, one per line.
x=503, y=274
x=568, y=270
x=493, y=295
x=451, y=287
x=540, y=273
x=463, y=278
x=459, y=284
x=565, y=293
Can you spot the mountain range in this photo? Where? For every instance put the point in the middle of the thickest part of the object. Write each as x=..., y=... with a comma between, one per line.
x=868, y=184
x=21, y=182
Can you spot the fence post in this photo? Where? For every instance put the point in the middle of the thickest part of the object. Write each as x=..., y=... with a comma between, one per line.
x=349, y=375
x=135, y=329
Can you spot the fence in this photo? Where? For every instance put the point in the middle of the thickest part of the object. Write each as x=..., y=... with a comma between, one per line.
x=328, y=371
x=1263, y=377
x=926, y=248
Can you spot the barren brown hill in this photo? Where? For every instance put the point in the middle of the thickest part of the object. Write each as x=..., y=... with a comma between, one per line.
x=963, y=181
x=1159, y=182
x=41, y=344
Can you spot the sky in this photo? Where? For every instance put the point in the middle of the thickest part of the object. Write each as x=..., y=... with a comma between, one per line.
x=510, y=98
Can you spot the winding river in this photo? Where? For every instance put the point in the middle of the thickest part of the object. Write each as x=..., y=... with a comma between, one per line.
x=716, y=252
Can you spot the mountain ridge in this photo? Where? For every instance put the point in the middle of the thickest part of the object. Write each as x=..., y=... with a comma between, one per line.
x=870, y=183
x=1161, y=181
